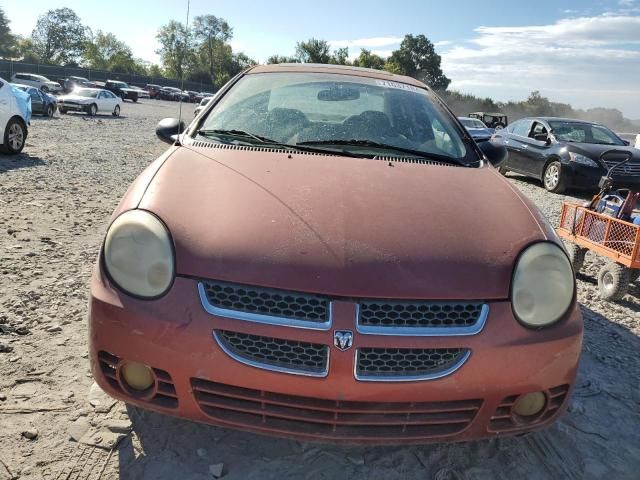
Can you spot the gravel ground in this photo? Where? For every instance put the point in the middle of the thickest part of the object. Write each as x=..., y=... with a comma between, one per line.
x=55, y=202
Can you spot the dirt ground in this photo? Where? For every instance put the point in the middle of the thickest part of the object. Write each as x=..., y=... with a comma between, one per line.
x=55, y=202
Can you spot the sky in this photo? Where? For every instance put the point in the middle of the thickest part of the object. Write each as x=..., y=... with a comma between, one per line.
x=579, y=52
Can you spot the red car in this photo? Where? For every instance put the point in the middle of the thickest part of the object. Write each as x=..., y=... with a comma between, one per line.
x=325, y=254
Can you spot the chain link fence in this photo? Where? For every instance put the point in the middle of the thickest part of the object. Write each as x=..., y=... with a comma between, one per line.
x=55, y=73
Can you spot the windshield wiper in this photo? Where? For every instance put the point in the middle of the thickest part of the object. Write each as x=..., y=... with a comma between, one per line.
x=384, y=146
x=275, y=143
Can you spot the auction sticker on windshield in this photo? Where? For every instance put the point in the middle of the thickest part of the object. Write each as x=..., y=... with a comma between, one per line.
x=398, y=85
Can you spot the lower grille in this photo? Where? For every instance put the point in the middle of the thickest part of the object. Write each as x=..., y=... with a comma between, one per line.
x=289, y=356
x=165, y=395
x=406, y=364
x=504, y=421
x=332, y=420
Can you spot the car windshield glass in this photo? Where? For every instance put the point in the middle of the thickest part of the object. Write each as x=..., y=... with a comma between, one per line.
x=86, y=93
x=296, y=108
x=472, y=123
x=583, y=133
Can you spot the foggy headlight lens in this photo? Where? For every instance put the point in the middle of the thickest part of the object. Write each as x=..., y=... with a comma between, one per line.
x=543, y=285
x=138, y=255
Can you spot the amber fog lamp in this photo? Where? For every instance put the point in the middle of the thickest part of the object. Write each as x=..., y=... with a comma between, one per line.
x=529, y=405
x=137, y=376
x=138, y=254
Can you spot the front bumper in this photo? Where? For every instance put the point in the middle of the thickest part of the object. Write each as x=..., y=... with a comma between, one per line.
x=77, y=107
x=197, y=380
x=583, y=176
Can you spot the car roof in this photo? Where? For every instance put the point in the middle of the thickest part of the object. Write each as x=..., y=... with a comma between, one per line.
x=20, y=85
x=470, y=118
x=560, y=119
x=335, y=69
x=495, y=114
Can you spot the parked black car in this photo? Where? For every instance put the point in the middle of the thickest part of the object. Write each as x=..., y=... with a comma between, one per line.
x=121, y=89
x=564, y=153
x=71, y=83
x=173, y=93
x=41, y=103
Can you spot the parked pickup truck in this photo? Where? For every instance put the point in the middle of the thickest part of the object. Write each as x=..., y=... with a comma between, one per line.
x=121, y=89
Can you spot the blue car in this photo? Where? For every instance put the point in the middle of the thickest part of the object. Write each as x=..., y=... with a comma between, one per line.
x=41, y=103
x=478, y=130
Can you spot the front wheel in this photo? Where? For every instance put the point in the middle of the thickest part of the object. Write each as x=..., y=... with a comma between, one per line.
x=62, y=111
x=44, y=89
x=93, y=109
x=116, y=111
x=14, y=137
x=135, y=99
x=553, y=178
x=50, y=111
x=613, y=281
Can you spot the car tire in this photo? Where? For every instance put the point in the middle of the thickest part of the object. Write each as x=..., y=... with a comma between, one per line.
x=135, y=99
x=62, y=111
x=15, y=136
x=553, y=179
x=613, y=281
x=503, y=170
x=44, y=89
x=50, y=111
x=498, y=126
x=116, y=111
x=92, y=110
x=576, y=256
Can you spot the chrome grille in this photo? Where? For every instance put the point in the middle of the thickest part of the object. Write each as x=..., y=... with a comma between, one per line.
x=421, y=318
x=631, y=169
x=408, y=363
x=275, y=354
x=265, y=305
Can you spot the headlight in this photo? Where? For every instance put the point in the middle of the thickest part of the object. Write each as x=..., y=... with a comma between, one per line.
x=582, y=160
x=543, y=285
x=138, y=254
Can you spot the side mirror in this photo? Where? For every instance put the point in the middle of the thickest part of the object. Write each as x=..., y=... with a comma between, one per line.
x=496, y=154
x=168, y=130
x=626, y=142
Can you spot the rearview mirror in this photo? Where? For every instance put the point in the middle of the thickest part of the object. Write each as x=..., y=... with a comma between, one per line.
x=168, y=129
x=496, y=154
x=338, y=94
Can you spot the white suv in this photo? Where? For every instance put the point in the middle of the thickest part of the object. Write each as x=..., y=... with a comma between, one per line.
x=38, y=81
x=13, y=122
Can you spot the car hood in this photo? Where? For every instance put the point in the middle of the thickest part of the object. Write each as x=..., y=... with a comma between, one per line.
x=76, y=98
x=342, y=226
x=479, y=132
x=594, y=151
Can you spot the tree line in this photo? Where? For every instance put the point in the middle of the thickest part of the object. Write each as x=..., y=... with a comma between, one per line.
x=202, y=53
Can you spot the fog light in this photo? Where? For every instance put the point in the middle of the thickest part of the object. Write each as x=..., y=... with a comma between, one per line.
x=529, y=404
x=137, y=376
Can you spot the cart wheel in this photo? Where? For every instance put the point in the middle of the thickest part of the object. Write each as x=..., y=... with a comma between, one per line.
x=613, y=281
x=576, y=256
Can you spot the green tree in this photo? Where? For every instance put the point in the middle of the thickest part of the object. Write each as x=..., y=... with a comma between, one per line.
x=176, y=49
x=340, y=56
x=59, y=37
x=8, y=41
x=105, y=52
x=392, y=66
x=282, y=59
x=313, y=51
x=417, y=58
x=210, y=32
x=366, y=59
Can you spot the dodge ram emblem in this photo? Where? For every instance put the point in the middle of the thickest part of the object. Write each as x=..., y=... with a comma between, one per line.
x=343, y=339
